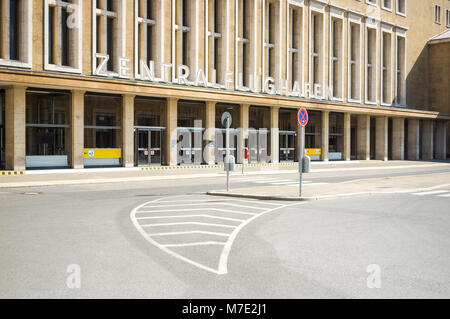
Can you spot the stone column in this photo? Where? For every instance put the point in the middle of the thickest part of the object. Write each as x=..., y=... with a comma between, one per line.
x=381, y=141
x=77, y=128
x=172, y=133
x=413, y=139
x=274, y=135
x=427, y=140
x=210, y=133
x=398, y=139
x=128, y=130
x=347, y=136
x=441, y=140
x=363, y=137
x=244, y=113
x=15, y=127
x=325, y=134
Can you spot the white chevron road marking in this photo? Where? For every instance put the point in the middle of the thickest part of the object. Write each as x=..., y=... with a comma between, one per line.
x=147, y=217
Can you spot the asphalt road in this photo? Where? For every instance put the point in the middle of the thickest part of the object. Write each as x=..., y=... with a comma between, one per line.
x=168, y=240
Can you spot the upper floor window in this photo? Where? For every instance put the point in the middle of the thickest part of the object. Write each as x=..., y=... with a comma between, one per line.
x=387, y=4
x=401, y=73
x=215, y=42
x=437, y=14
x=386, y=71
x=401, y=7
x=295, y=47
x=108, y=34
x=184, y=36
x=372, y=2
x=271, y=38
x=62, y=24
x=371, y=63
x=448, y=19
x=354, y=57
x=148, y=39
x=245, y=62
x=336, y=58
x=15, y=33
x=317, y=36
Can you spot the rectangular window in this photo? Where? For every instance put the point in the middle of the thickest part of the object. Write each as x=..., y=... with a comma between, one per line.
x=387, y=5
x=47, y=128
x=316, y=49
x=401, y=75
x=63, y=35
x=215, y=42
x=437, y=14
x=354, y=79
x=401, y=7
x=371, y=63
x=184, y=37
x=148, y=42
x=15, y=33
x=336, y=58
x=102, y=128
x=245, y=34
x=386, y=69
x=447, y=23
x=271, y=38
x=107, y=43
x=295, y=60
x=372, y=2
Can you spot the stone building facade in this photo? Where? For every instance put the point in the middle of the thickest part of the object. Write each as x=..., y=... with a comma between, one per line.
x=144, y=82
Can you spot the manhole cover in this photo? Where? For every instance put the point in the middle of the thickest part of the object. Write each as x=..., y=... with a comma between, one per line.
x=31, y=193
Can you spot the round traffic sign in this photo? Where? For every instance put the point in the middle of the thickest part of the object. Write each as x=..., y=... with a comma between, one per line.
x=302, y=116
x=226, y=119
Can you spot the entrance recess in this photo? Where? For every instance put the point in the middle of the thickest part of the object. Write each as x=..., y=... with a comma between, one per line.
x=258, y=146
x=287, y=143
x=148, y=142
x=190, y=145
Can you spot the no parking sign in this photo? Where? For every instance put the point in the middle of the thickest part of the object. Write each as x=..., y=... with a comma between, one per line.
x=302, y=116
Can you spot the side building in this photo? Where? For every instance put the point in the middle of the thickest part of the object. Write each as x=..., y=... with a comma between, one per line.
x=100, y=83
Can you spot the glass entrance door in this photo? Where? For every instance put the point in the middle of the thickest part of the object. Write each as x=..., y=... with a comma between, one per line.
x=258, y=146
x=190, y=146
x=148, y=147
x=287, y=146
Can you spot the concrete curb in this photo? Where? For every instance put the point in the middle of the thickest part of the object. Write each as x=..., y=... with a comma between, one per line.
x=287, y=198
x=334, y=196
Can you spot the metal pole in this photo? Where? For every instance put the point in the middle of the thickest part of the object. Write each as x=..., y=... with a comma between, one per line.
x=300, y=161
x=228, y=154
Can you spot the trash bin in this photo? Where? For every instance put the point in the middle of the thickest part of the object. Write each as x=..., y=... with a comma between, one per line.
x=229, y=161
x=306, y=164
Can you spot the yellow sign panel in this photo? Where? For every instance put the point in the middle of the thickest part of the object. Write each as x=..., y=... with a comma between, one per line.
x=313, y=151
x=102, y=153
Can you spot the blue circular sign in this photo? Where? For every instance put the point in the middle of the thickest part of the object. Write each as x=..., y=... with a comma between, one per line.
x=303, y=117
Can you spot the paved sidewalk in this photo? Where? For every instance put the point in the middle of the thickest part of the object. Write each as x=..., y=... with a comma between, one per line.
x=116, y=175
x=363, y=187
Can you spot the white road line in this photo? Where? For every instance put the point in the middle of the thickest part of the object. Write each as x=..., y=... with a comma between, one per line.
x=196, y=209
x=189, y=223
x=202, y=243
x=189, y=232
x=430, y=193
x=309, y=184
x=256, y=201
x=274, y=181
x=202, y=204
x=222, y=265
x=446, y=195
x=193, y=216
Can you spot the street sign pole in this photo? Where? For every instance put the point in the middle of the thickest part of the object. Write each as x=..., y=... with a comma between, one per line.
x=302, y=121
x=300, y=160
x=228, y=153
